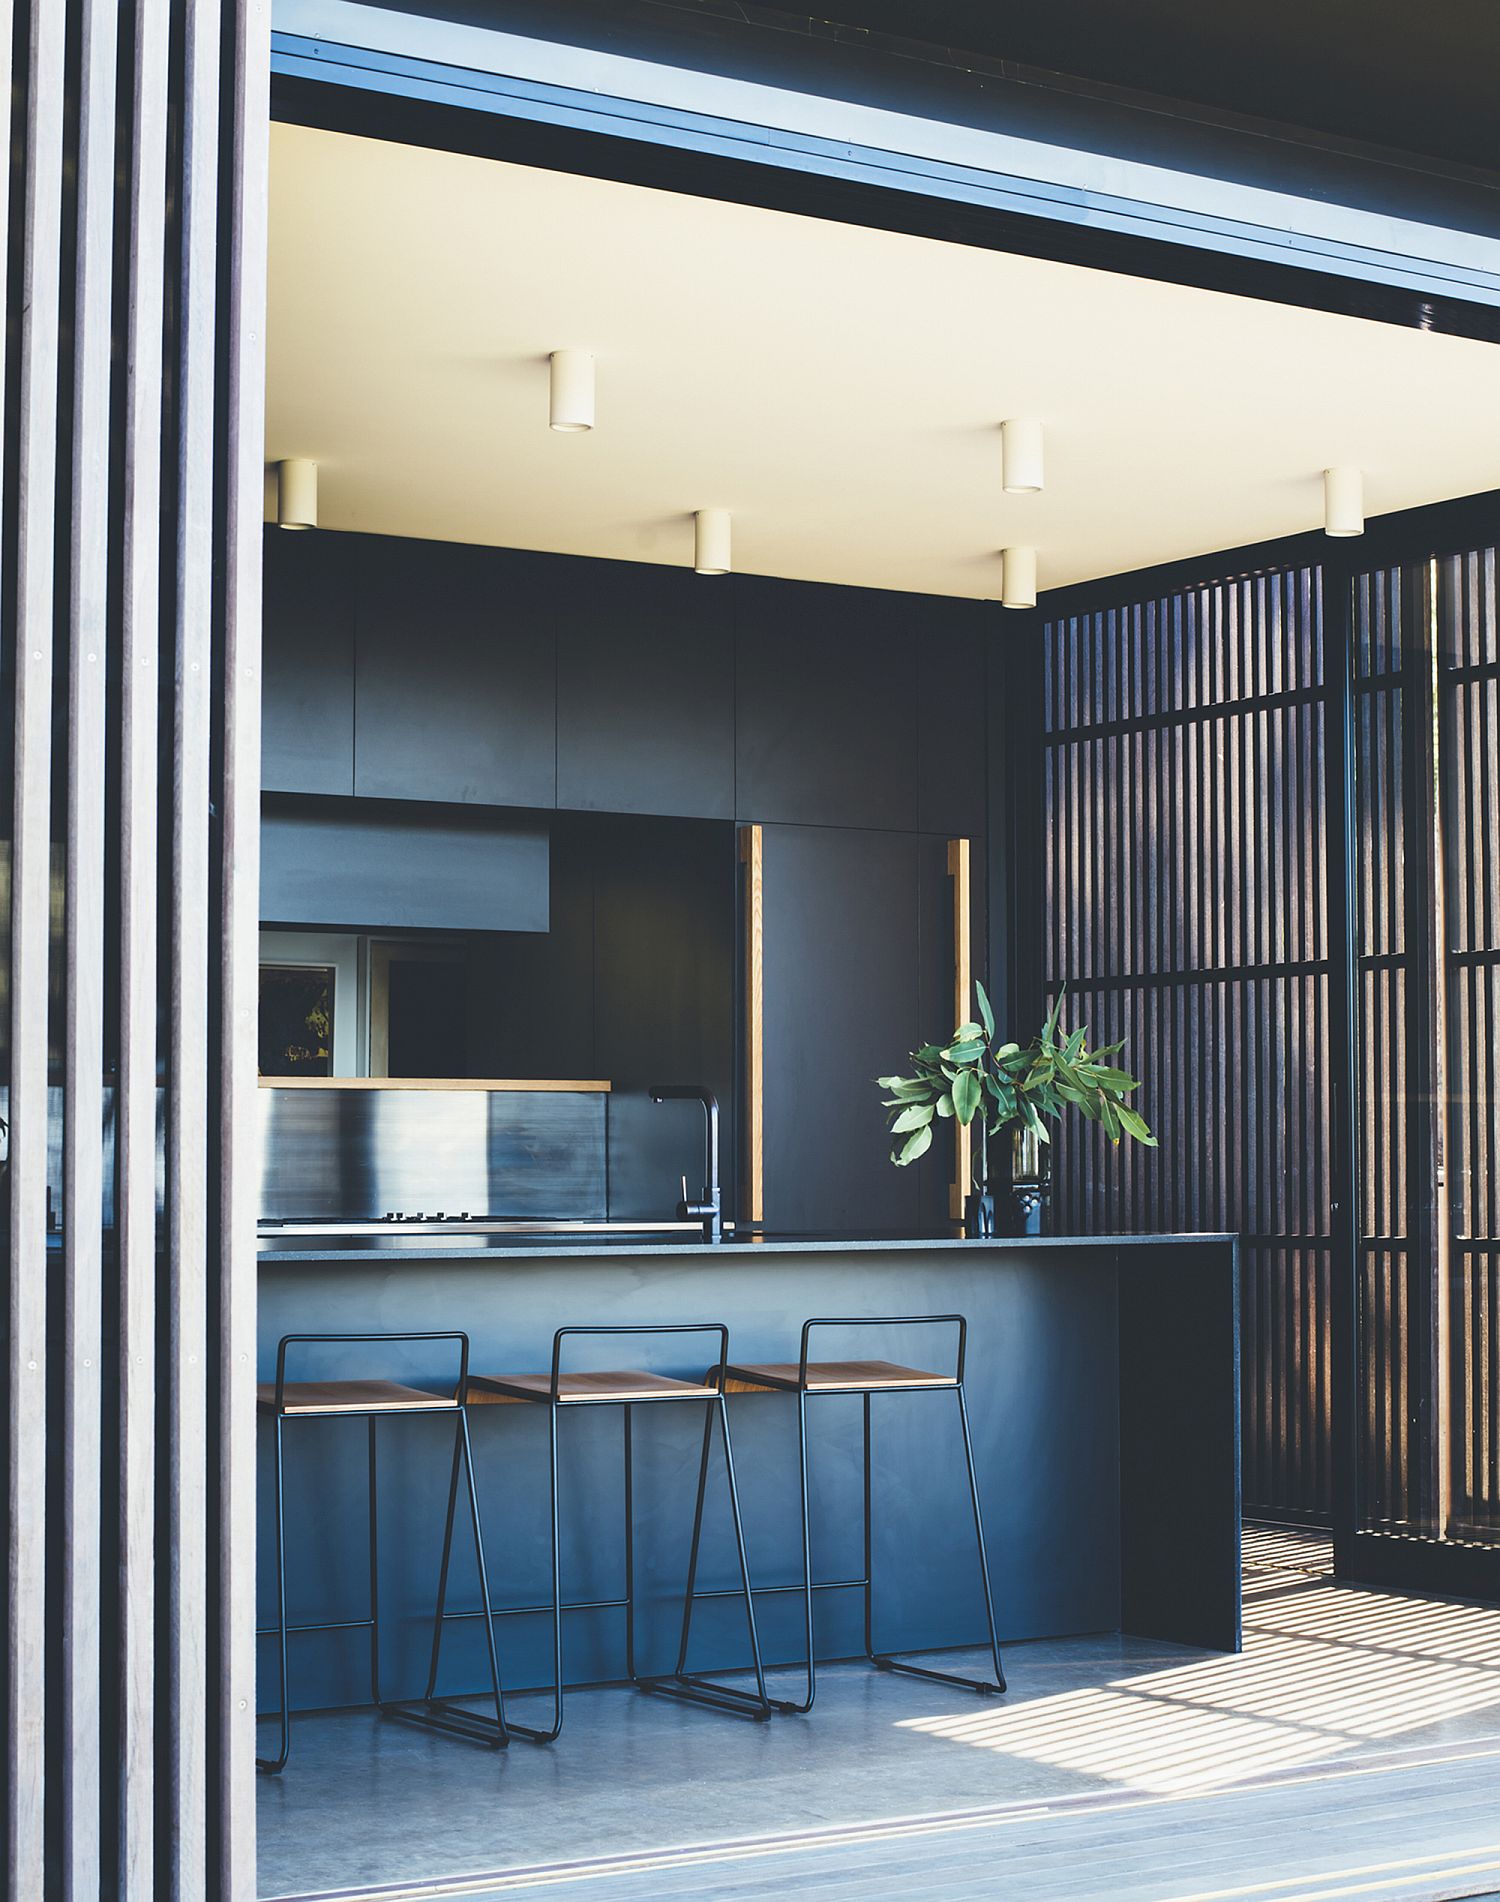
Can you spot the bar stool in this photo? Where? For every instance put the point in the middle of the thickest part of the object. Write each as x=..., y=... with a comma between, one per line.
x=371, y=1400
x=561, y=1391
x=805, y=1378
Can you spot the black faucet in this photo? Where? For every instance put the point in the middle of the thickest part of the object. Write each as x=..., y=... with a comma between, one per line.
x=708, y=1209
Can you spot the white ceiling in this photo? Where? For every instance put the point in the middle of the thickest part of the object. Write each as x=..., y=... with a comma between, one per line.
x=838, y=389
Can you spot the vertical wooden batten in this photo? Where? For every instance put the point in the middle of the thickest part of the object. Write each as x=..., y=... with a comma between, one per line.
x=139, y=976
x=35, y=299
x=241, y=321
x=84, y=910
x=963, y=1006
x=190, y=909
x=752, y=857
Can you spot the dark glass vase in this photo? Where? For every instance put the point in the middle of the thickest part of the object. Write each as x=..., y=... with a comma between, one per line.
x=1030, y=1185
x=1017, y=1204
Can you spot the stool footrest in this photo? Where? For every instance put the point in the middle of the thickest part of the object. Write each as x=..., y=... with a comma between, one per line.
x=758, y=1591
x=700, y=1690
x=318, y=1624
x=985, y=1686
x=526, y=1611
x=438, y=1714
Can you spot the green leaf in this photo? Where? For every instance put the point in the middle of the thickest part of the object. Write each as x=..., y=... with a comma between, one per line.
x=917, y=1144
x=986, y=1014
x=918, y=1116
x=911, y=1088
x=1007, y=1050
x=966, y=1094
x=1109, y=1116
x=1114, y=1079
x=969, y=1033
x=964, y=1052
x=1032, y=1121
x=945, y=1104
x=1073, y=1046
x=1135, y=1125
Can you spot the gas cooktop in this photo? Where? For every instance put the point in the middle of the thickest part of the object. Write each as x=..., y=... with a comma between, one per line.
x=418, y=1222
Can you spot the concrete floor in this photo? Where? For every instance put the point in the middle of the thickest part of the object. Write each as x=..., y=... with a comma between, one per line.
x=1352, y=1750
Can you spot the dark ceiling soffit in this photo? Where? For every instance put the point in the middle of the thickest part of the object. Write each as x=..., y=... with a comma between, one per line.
x=965, y=61
x=419, y=102
x=1417, y=534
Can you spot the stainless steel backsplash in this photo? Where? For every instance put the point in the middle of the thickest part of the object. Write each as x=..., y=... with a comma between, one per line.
x=341, y=1154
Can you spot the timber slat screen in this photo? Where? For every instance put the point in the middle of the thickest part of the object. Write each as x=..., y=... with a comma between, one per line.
x=1396, y=1386
x=1186, y=907
x=1185, y=895
x=130, y=550
x=1469, y=635
x=1427, y=678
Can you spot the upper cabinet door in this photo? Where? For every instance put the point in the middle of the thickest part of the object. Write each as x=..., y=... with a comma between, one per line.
x=826, y=706
x=455, y=675
x=307, y=735
x=953, y=643
x=645, y=690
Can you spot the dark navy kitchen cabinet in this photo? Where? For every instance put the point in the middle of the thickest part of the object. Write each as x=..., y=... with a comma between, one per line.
x=307, y=710
x=826, y=695
x=455, y=675
x=858, y=969
x=952, y=639
x=645, y=690
x=366, y=865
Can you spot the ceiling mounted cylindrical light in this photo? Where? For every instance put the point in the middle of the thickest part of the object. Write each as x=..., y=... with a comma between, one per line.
x=297, y=493
x=1018, y=578
x=572, y=391
x=711, y=541
x=1343, y=501
x=1021, y=455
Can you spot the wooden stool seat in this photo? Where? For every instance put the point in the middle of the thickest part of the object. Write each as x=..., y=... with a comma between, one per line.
x=350, y=1396
x=829, y=1376
x=498, y=1389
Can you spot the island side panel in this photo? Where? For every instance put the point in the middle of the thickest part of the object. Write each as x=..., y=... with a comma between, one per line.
x=1180, y=1443
x=1044, y=1405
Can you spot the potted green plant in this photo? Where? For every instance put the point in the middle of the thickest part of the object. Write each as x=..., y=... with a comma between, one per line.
x=1005, y=1086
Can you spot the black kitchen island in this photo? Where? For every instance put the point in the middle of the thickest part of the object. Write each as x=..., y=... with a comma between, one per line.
x=1103, y=1386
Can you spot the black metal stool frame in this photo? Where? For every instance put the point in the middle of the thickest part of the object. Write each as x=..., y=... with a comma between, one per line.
x=688, y=1687
x=406, y=1710
x=808, y=1587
